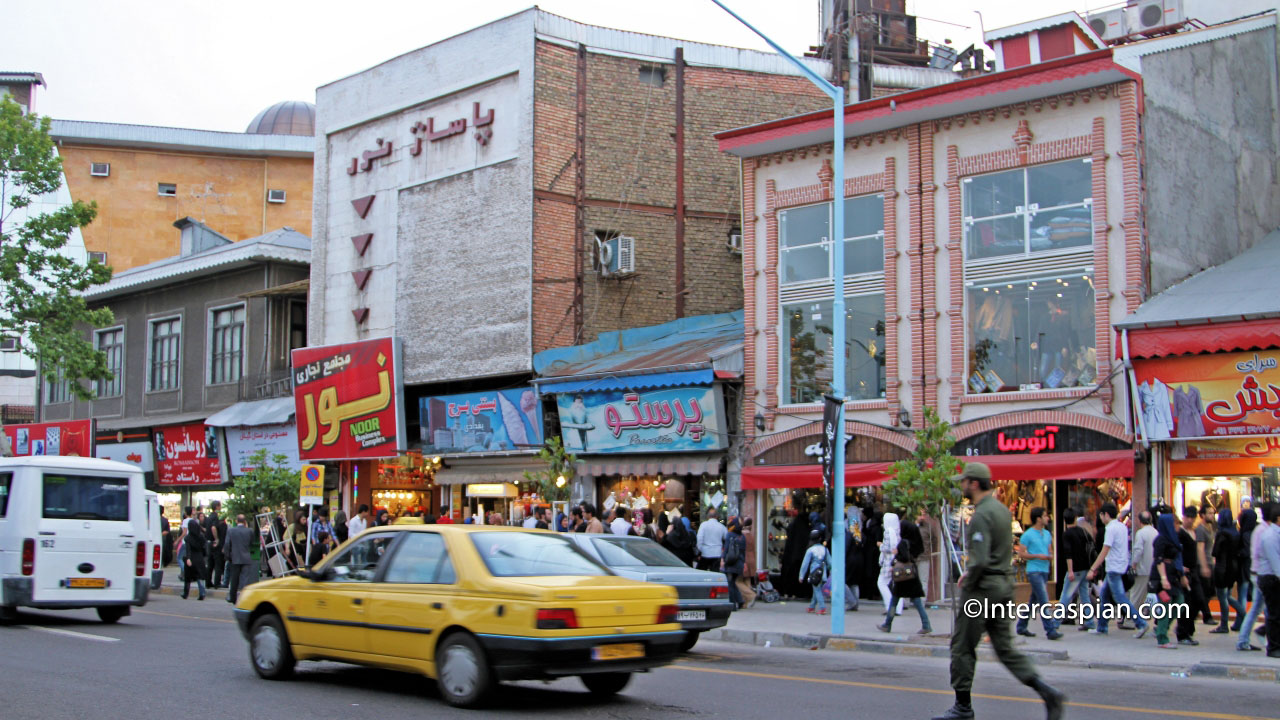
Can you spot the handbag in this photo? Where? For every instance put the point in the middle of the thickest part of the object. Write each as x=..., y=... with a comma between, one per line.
x=903, y=571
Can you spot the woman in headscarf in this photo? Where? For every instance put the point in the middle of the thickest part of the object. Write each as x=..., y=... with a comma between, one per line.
x=910, y=547
x=793, y=552
x=1167, y=576
x=1226, y=569
x=734, y=556
x=872, y=534
x=1248, y=522
x=888, y=551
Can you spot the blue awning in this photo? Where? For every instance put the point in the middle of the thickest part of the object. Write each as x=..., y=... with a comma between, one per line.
x=627, y=382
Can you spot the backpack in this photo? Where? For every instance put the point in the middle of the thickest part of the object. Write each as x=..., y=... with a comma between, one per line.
x=818, y=572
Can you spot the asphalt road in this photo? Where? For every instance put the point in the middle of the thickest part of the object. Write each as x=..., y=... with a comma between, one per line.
x=175, y=657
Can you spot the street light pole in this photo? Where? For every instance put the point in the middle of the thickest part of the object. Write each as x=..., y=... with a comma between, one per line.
x=838, y=524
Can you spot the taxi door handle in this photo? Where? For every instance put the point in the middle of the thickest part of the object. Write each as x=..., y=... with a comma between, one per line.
x=437, y=606
x=357, y=601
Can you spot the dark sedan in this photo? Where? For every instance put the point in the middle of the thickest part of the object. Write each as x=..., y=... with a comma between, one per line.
x=704, y=596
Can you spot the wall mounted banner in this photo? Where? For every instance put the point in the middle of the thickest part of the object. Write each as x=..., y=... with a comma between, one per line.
x=481, y=422
x=830, y=417
x=141, y=454
x=188, y=455
x=660, y=420
x=350, y=404
x=244, y=441
x=73, y=438
x=1218, y=395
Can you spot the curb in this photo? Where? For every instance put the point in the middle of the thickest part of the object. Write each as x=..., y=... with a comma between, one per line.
x=177, y=591
x=902, y=648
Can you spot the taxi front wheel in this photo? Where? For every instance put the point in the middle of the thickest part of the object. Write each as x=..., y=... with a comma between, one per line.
x=269, y=649
x=461, y=670
x=610, y=683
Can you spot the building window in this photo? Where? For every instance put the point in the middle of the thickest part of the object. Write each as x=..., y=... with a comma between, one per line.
x=58, y=390
x=10, y=343
x=111, y=342
x=167, y=190
x=226, y=345
x=1029, y=295
x=166, y=340
x=805, y=267
x=297, y=324
x=655, y=76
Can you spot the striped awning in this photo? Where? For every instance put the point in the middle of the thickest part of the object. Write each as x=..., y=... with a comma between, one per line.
x=650, y=465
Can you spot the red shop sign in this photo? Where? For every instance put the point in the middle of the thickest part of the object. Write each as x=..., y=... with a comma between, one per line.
x=73, y=438
x=1041, y=439
x=188, y=455
x=348, y=400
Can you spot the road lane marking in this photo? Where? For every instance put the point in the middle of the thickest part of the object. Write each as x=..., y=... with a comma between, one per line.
x=73, y=633
x=1007, y=698
x=186, y=617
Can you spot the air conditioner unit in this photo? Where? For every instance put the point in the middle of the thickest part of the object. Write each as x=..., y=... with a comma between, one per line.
x=735, y=244
x=1151, y=14
x=275, y=196
x=1110, y=25
x=617, y=255
x=8, y=344
x=101, y=257
x=100, y=169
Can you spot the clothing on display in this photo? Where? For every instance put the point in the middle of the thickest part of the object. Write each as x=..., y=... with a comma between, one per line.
x=1189, y=411
x=1157, y=416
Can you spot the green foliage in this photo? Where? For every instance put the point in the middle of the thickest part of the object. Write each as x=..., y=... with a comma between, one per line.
x=559, y=464
x=40, y=288
x=268, y=484
x=922, y=483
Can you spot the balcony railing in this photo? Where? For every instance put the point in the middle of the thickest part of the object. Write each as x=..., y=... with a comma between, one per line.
x=266, y=386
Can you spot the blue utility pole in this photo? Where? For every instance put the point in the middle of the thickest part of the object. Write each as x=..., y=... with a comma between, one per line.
x=838, y=524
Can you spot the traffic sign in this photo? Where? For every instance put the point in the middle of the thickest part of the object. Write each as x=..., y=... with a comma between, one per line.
x=312, y=488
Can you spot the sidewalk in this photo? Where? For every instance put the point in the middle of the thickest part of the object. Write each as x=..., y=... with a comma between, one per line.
x=786, y=624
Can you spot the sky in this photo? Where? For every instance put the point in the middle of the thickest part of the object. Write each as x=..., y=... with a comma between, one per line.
x=214, y=64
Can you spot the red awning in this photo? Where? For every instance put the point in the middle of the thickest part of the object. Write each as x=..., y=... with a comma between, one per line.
x=1204, y=337
x=1048, y=466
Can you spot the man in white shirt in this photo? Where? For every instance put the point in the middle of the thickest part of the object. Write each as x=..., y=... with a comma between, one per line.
x=1143, y=541
x=710, y=542
x=619, y=525
x=357, y=524
x=529, y=522
x=1115, y=556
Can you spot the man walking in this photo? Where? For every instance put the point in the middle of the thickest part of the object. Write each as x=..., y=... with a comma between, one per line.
x=357, y=524
x=1194, y=596
x=1036, y=547
x=1114, y=558
x=988, y=578
x=241, y=570
x=1142, y=554
x=1249, y=521
x=710, y=542
x=1075, y=555
x=1267, y=565
x=215, y=531
x=593, y=523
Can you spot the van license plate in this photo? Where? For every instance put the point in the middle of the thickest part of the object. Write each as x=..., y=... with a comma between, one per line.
x=86, y=582
x=617, y=652
x=684, y=615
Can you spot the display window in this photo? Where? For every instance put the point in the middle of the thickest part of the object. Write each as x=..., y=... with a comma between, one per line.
x=1233, y=492
x=807, y=361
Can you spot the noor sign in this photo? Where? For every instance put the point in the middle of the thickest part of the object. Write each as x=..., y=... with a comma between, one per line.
x=1219, y=395
x=349, y=401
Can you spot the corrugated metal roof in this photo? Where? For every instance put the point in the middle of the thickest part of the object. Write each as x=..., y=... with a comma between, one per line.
x=1234, y=290
x=167, y=138
x=703, y=341
x=283, y=245
x=23, y=77
x=276, y=411
x=1072, y=18
x=704, y=376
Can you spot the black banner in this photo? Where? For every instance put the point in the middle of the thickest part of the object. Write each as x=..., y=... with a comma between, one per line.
x=830, y=417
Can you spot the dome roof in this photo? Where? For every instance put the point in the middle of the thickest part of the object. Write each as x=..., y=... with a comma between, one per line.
x=291, y=117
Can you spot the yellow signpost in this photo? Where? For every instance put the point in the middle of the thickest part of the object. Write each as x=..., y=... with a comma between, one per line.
x=312, y=491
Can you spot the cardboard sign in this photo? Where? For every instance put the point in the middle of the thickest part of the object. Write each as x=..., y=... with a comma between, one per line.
x=350, y=404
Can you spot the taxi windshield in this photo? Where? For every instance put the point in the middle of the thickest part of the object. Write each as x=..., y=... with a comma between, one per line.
x=523, y=554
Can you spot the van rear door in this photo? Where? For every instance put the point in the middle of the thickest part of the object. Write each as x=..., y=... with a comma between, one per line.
x=88, y=535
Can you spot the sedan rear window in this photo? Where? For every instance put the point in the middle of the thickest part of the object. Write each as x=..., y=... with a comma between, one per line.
x=521, y=554
x=617, y=552
x=84, y=497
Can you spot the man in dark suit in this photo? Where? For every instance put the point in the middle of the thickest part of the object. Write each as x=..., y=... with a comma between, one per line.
x=236, y=548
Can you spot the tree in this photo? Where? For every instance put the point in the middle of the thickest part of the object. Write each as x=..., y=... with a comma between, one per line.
x=922, y=483
x=269, y=484
x=553, y=483
x=41, y=286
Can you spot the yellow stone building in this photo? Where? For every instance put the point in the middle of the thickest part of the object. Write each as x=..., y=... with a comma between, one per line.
x=144, y=178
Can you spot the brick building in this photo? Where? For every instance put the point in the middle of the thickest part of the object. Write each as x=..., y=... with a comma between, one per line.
x=995, y=229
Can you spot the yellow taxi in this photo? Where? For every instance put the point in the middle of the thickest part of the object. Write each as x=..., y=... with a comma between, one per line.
x=467, y=605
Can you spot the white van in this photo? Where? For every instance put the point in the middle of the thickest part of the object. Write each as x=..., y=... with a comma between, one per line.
x=155, y=538
x=73, y=534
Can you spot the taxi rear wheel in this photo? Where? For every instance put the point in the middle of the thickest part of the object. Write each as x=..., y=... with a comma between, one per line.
x=690, y=639
x=269, y=649
x=610, y=683
x=462, y=672
x=111, y=615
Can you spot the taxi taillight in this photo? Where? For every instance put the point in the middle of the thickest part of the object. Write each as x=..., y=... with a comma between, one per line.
x=140, y=560
x=28, y=556
x=155, y=556
x=719, y=592
x=667, y=614
x=557, y=619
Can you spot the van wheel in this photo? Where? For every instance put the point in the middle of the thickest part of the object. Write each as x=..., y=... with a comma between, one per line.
x=8, y=614
x=690, y=639
x=462, y=673
x=269, y=649
x=112, y=615
x=610, y=683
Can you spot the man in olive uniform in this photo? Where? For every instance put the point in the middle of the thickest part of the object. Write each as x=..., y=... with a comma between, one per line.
x=988, y=577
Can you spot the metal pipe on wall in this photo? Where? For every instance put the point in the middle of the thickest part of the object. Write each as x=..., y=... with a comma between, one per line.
x=579, y=192
x=680, y=289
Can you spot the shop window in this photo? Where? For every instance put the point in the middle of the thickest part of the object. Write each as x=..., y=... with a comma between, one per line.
x=111, y=343
x=807, y=360
x=1031, y=332
x=1037, y=209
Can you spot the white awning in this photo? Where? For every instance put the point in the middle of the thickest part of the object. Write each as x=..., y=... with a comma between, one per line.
x=257, y=412
x=650, y=465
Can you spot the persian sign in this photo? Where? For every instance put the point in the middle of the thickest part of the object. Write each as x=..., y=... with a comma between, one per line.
x=70, y=438
x=243, y=442
x=135, y=453
x=188, y=455
x=349, y=401
x=481, y=422
x=659, y=420
x=1219, y=395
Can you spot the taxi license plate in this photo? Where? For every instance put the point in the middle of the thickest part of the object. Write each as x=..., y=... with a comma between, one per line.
x=86, y=582
x=617, y=652
x=691, y=615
